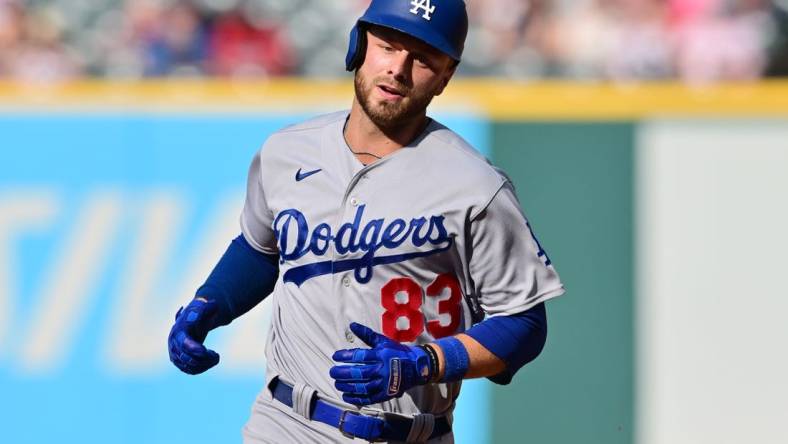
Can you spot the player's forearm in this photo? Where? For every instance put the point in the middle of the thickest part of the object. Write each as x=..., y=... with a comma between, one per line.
x=241, y=279
x=482, y=362
x=496, y=347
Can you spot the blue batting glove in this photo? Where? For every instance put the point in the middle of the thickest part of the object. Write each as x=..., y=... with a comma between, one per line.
x=192, y=325
x=381, y=373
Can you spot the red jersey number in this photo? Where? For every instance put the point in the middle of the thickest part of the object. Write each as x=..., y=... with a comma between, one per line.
x=450, y=306
x=395, y=309
x=409, y=308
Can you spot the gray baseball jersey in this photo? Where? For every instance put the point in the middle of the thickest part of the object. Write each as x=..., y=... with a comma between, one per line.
x=418, y=245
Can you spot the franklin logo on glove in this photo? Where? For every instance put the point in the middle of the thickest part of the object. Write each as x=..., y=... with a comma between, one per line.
x=394, y=377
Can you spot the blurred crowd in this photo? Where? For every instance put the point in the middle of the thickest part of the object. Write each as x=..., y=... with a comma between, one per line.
x=693, y=40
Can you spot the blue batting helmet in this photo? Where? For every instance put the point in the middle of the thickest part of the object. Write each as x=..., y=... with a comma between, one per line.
x=442, y=24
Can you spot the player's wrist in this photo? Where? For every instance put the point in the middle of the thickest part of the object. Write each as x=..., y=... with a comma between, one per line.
x=434, y=363
x=201, y=314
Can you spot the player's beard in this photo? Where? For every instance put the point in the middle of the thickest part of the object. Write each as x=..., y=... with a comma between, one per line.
x=391, y=115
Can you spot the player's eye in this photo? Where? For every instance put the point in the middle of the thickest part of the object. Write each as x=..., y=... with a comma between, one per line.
x=422, y=61
x=386, y=48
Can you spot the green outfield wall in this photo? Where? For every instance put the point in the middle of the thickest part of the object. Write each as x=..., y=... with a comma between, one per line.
x=574, y=181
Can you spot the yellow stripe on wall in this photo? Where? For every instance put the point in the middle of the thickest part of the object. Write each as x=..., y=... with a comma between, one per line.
x=604, y=101
x=495, y=98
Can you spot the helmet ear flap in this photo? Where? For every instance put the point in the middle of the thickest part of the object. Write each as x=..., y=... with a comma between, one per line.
x=357, y=49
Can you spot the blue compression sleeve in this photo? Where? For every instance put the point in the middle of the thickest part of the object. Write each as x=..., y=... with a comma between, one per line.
x=242, y=278
x=516, y=339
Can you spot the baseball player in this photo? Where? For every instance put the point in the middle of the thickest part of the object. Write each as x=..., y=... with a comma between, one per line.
x=398, y=259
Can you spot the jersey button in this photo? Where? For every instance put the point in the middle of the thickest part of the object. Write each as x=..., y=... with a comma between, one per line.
x=346, y=281
x=354, y=201
x=349, y=335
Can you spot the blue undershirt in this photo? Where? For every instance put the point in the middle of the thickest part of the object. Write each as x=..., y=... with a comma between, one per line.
x=516, y=339
x=242, y=279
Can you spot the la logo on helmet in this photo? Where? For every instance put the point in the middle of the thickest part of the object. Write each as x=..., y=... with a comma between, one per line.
x=424, y=5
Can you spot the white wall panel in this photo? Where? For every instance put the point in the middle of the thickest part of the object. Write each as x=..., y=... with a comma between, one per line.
x=712, y=282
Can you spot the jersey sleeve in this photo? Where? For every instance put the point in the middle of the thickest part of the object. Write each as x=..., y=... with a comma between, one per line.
x=510, y=270
x=257, y=218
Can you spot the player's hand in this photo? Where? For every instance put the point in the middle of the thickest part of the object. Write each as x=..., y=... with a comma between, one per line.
x=192, y=325
x=381, y=373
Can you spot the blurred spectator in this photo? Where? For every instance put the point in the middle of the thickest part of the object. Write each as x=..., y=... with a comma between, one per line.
x=512, y=38
x=243, y=48
x=178, y=46
x=719, y=40
x=643, y=47
x=778, y=47
x=586, y=37
x=617, y=39
x=31, y=47
x=10, y=33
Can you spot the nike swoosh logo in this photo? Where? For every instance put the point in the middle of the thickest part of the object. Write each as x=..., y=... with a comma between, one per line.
x=301, y=176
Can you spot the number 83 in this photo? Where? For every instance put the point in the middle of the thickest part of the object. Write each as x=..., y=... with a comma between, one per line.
x=410, y=308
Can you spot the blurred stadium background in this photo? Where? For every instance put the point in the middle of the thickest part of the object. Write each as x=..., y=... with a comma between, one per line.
x=693, y=40
x=648, y=140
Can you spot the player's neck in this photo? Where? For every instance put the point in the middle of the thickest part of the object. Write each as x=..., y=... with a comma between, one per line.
x=363, y=135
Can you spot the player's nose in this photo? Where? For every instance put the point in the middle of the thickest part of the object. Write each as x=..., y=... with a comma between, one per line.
x=400, y=66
